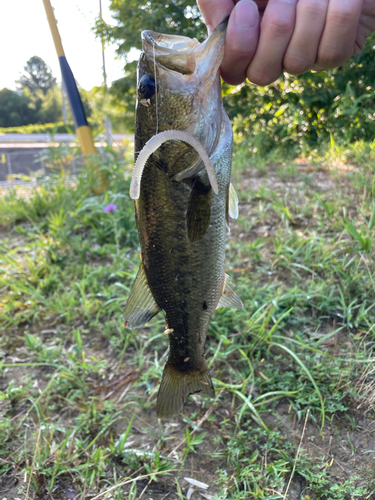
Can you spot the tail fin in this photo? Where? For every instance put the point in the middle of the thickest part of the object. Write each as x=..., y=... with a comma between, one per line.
x=176, y=386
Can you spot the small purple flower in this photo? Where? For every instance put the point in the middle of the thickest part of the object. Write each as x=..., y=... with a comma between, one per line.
x=109, y=208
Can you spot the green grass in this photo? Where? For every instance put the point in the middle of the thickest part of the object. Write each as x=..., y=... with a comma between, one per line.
x=46, y=128
x=77, y=390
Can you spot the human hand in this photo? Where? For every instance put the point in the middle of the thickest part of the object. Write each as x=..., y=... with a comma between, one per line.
x=266, y=36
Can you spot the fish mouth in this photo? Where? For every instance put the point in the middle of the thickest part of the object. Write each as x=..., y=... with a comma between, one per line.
x=186, y=55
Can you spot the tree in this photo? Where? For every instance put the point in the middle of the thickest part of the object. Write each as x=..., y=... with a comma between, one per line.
x=15, y=110
x=18, y=109
x=50, y=107
x=38, y=76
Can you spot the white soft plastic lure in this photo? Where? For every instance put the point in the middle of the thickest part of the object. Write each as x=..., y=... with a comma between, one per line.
x=154, y=143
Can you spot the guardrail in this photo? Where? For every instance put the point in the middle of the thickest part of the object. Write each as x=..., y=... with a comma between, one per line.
x=57, y=138
x=22, y=153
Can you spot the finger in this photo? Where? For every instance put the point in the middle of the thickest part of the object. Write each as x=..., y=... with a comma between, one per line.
x=215, y=11
x=302, y=50
x=275, y=33
x=366, y=25
x=240, y=42
x=338, y=38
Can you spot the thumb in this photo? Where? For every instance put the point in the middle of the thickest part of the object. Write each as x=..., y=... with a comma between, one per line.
x=215, y=11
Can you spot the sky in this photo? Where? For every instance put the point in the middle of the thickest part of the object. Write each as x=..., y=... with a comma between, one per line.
x=24, y=32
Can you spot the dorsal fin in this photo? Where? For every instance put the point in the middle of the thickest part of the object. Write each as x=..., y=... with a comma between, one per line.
x=229, y=298
x=141, y=305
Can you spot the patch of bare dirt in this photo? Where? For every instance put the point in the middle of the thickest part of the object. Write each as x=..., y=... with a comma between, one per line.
x=346, y=451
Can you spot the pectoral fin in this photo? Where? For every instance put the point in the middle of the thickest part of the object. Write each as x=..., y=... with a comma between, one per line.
x=190, y=172
x=199, y=211
x=232, y=202
x=141, y=305
x=229, y=298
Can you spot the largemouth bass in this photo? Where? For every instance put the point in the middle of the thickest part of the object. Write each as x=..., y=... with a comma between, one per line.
x=182, y=199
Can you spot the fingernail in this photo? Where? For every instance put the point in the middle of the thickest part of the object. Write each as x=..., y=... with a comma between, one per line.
x=246, y=13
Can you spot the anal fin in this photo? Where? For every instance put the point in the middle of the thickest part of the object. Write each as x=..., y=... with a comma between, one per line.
x=141, y=305
x=176, y=386
x=229, y=298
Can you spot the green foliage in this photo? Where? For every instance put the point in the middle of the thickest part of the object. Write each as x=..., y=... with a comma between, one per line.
x=14, y=109
x=39, y=103
x=179, y=17
x=123, y=94
x=102, y=105
x=365, y=235
x=251, y=478
x=296, y=112
x=51, y=106
x=46, y=106
x=59, y=127
x=29, y=108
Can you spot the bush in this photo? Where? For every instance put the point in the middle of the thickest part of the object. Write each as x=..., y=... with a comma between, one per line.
x=306, y=110
x=47, y=128
x=38, y=128
x=14, y=109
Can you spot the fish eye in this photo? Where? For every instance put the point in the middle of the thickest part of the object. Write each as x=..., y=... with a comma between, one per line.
x=146, y=87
